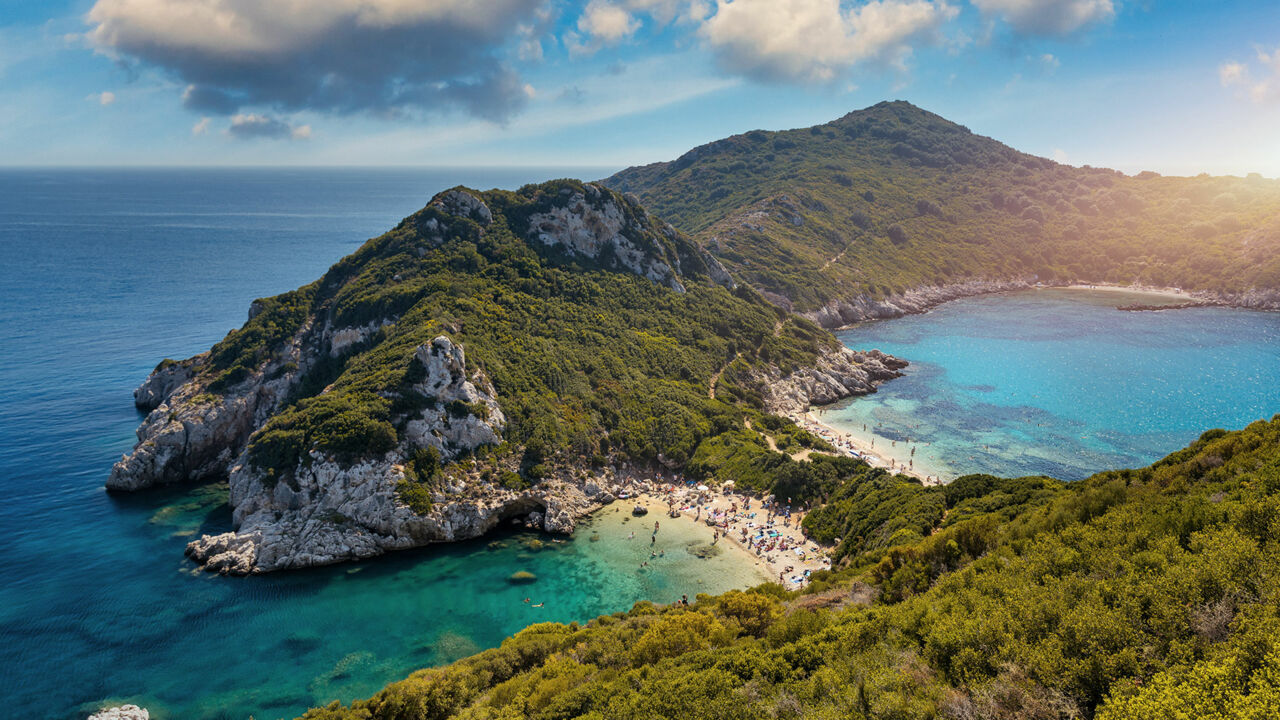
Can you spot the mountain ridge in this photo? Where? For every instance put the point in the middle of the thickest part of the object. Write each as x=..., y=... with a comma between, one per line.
x=892, y=209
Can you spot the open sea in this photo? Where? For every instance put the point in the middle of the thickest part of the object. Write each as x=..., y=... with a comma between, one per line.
x=1058, y=382
x=104, y=274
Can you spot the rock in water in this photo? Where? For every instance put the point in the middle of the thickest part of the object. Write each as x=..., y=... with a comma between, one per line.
x=123, y=712
x=522, y=577
x=639, y=510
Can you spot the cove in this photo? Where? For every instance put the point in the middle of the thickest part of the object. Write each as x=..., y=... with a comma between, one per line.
x=1058, y=382
x=107, y=272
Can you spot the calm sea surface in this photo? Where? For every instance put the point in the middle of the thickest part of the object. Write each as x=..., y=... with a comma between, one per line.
x=104, y=274
x=1059, y=382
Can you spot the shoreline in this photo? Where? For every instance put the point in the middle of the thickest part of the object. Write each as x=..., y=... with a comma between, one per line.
x=1167, y=292
x=1204, y=297
x=851, y=445
x=777, y=566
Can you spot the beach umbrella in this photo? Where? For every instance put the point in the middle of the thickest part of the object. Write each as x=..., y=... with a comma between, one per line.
x=729, y=483
x=703, y=487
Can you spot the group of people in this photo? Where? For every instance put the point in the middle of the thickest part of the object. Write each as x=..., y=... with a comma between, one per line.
x=765, y=536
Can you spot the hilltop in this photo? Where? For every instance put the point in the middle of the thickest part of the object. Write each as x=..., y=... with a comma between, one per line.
x=496, y=356
x=893, y=208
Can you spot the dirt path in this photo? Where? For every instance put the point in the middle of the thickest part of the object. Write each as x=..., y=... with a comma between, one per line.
x=715, y=377
x=837, y=256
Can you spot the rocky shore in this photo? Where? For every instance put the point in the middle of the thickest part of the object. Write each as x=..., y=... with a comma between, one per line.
x=861, y=308
x=303, y=507
x=328, y=512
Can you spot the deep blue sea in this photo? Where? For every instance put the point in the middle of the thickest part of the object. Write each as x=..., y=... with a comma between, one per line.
x=104, y=274
x=1059, y=382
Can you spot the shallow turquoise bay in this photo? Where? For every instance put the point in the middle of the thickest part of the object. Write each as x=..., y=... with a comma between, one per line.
x=1059, y=382
x=106, y=273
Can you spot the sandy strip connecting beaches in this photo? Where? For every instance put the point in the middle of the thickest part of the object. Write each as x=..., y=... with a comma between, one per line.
x=848, y=445
x=1136, y=290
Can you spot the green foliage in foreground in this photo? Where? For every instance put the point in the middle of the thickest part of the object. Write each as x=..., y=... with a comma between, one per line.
x=1148, y=593
x=892, y=198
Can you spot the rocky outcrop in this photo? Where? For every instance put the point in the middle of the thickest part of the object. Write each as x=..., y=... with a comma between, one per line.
x=592, y=224
x=463, y=204
x=861, y=308
x=123, y=712
x=195, y=434
x=445, y=425
x=333, y=514
x=841, y=374
x=163, y=381
x=1251, y=299
x=325, y=511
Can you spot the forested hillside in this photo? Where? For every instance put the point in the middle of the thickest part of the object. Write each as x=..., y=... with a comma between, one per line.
x=1134, y=594
x=893, y=198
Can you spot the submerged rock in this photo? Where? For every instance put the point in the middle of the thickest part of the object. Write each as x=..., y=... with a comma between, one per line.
x=522, y=577
x=123, y=712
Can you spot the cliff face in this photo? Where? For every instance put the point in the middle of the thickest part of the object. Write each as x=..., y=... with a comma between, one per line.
x=350, y=420
x=836, y=376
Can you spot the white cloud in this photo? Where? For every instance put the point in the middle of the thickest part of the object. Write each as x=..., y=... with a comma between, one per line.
x=818, y=40
x=1232, y=73
x=607, y=23
x=104, y=98
x=1050, y=61
x=1048, y=17
x=201, y=127
x=1260, y=84
x=247, y=126
x=1060, y=155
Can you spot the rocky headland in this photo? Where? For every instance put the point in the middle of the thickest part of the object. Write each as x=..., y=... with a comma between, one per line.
x=315, y=479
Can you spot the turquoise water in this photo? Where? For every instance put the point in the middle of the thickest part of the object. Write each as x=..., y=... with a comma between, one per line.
x=1059, y=382
x=105, y=273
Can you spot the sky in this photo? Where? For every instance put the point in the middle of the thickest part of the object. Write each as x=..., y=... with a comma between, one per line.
x=1175, y=86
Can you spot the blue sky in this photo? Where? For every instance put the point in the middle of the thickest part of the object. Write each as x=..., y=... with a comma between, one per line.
x=1179, y=87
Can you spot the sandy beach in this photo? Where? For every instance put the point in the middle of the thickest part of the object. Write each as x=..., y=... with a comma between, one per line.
x=1172, y=293
x=847, y=444
x=774, y=544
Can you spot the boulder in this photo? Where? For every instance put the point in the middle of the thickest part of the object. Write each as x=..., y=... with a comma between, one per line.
x=123, y=712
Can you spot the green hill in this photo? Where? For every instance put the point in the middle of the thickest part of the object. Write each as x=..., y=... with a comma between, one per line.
x=496, y=355
x=1134, y=594
x=891, y=199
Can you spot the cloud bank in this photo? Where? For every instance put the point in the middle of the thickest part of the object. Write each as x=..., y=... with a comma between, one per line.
x=389, y=57
x=816, y=41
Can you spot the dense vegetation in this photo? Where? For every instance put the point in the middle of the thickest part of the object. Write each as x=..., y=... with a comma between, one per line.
x=589, y=364
x=1147, y=593
x=892, y=198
